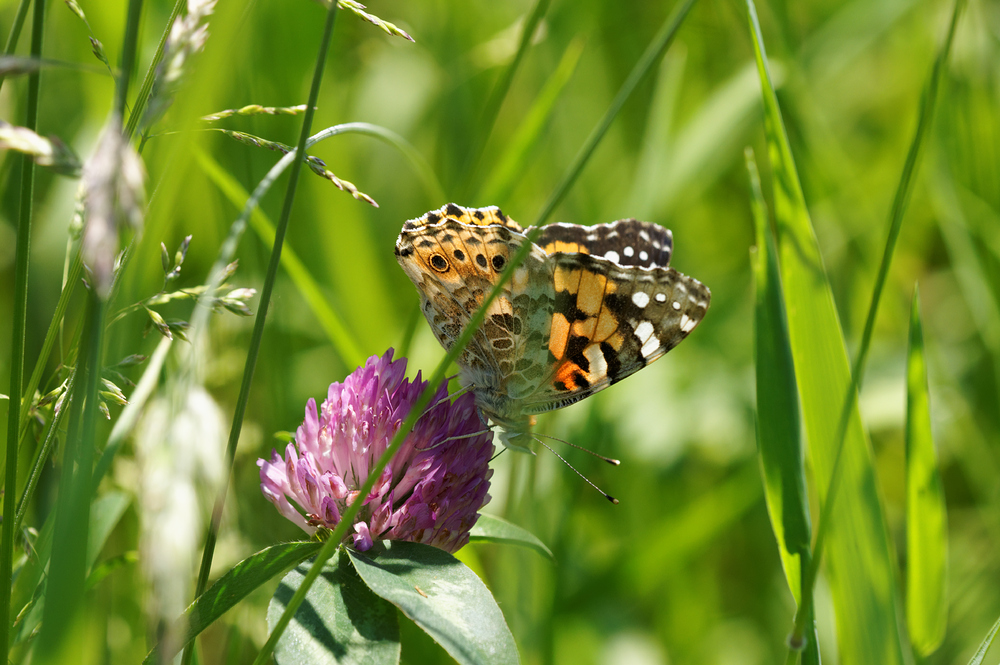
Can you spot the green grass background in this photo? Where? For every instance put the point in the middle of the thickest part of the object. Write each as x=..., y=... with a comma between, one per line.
x=686, y=569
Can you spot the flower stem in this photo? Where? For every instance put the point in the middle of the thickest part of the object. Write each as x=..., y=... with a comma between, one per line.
x=19, y=316
x=262, y=307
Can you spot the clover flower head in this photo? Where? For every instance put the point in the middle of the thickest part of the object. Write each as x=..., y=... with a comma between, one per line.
x=430, y=492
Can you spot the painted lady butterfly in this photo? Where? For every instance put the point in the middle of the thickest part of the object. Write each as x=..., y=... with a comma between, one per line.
x=589, y=306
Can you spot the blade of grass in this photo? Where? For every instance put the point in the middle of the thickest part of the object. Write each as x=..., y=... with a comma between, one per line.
x=779, y=423
x=19, y=316
x=900, y=199
x=336, y=331
x=926, y=515
x=861, y=570
x=492, y=108
x=656, y=48
x=262, y=307
x=513, y=162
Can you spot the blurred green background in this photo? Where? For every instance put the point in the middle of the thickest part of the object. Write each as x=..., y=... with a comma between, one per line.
x=685, y=569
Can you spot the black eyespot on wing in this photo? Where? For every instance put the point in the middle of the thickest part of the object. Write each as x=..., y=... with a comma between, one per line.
x=478, y=214
x=481, y=260
x=498, y=262
x=439, y=263
x=580, y=380
x=433, y=218
x=559, y=385
x=460, y=255
x=453, y=210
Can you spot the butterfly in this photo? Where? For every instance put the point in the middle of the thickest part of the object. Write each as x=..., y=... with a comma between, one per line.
x=589, y=306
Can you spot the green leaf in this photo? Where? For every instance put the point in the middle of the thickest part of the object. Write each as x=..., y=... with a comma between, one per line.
x=442, y=596
x=778, y=420
x=341, y=621
x=977, y=659
x=926, y=518
x=861, y=570
x=493, y=529
x=233, y=587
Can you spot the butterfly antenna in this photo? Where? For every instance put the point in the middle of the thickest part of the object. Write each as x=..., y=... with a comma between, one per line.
x=609, y=460
x=585, y=478
x=499, y=453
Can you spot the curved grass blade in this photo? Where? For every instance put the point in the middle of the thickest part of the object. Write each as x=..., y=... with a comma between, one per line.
x=493, y=529
x=233, y=587
x=335, y=329
x=778, y=420
x=926, y=516
x=861, y=569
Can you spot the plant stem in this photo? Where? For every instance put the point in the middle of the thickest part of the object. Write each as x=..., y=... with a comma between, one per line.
x=19, y=316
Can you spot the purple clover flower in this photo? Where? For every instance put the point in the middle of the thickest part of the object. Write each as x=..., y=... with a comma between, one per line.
x=430, y=492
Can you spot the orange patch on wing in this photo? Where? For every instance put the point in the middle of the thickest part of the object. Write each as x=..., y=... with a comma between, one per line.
x=585, y=328
x=565, y=375
x=558, y=335
x=568, y=247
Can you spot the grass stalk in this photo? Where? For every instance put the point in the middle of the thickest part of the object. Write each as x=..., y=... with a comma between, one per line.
x=265, y=297
x=19, y=316
x=900, y=200
x=656, y=48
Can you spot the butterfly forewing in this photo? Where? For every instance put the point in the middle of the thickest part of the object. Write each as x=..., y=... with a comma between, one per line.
x=609, y=322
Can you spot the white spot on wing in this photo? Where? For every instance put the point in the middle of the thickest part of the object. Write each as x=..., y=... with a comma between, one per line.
x=640, y=299
x=612, y=255
x=598, y=365
x=628, y=251
x=660, y=297
x=677, y=305
x=644, y=331
x=687, y=323
x=644, y=235
x=643, y=256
